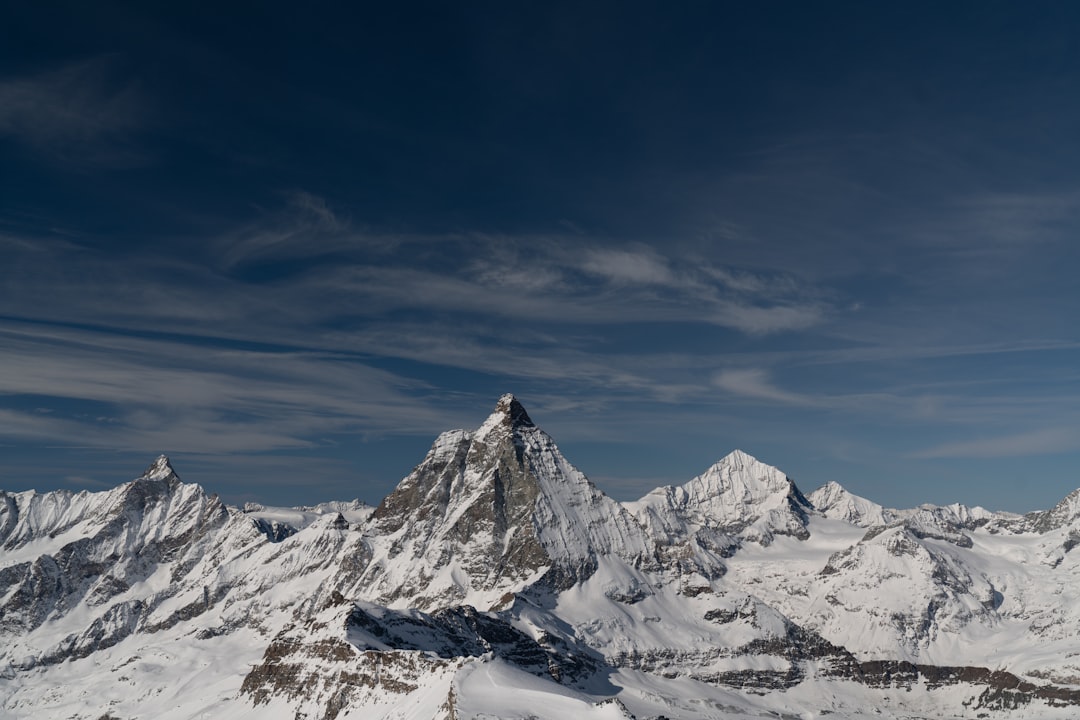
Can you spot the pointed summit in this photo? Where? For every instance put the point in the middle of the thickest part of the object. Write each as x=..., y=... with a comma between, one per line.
x=508, y=413
x=513, y=410
x=159, y=469
x=739, y=495
x=509, y=405
x=741, y=459
x=742, y=479
x=491, y=511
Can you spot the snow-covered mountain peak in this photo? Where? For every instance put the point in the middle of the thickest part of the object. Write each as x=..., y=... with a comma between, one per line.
x=509, y=414
x=835, y=501
x=738, y=495
x=742, y=459
x=160, y=469
x=828, y=494
x=490, y=510
x=742, y=477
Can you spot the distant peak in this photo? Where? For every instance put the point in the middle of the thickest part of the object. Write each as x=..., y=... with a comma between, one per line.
x=832, y=488
x=738, y=458
x=513, y=410
x=160, y=468
x=742, y=464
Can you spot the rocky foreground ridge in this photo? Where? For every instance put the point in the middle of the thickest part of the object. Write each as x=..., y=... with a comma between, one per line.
x=497, y=581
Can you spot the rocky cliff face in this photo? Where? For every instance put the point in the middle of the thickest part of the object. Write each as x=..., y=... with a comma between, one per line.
x=488, y=512
x=497, y=581
x=1064, y=514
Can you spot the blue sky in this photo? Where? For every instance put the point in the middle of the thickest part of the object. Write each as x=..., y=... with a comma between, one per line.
x=290, y=245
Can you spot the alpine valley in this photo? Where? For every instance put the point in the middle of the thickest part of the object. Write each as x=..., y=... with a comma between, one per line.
x=496, y=581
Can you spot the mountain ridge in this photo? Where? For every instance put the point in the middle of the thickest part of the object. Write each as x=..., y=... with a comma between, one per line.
x=497, y=558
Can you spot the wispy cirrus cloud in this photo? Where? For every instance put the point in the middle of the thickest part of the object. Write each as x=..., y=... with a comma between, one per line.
x=191, y=352
x=572, y=279
x=995, y=222
x=629, y=267
x=1034, y=442
x=756, y=383
x=766, y=320
x=106, y=390
x=382, y=288
x=305, y=227
x=77, y=113
x=469, y=287
x=535, y=359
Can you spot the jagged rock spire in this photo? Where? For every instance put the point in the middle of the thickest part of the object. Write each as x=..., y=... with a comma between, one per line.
x=159, y=469
x=497, y=505
x=509, y=415
x=514, y=412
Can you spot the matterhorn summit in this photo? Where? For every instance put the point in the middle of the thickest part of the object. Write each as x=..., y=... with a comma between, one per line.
x=508, y=414
x=160, y=469
x=491, y=510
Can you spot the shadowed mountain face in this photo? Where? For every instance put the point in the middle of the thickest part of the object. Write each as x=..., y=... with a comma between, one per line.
x=496, y=571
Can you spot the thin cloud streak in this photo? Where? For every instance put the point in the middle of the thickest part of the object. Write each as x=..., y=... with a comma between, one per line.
x=755, y=383
x=994, y=223
x=185, y=296
x=149, y=393
x=1036, y=442
x=629, y=267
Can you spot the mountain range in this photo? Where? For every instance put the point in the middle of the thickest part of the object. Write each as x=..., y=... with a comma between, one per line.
x=496, y=581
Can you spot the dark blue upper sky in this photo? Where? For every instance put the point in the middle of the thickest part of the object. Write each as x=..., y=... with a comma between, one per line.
x=289, y=245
